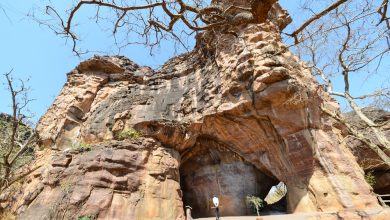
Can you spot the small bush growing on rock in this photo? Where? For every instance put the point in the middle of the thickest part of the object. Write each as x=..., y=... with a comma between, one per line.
x=256, y=202
x=130, y=134
x=66, y=187
x=82, y=147
x=89, y=217
x=370, y=178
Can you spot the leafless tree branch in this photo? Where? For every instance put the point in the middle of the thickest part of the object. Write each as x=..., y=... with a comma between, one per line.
x=154, y=20
x=316, y=17
x=16, y=137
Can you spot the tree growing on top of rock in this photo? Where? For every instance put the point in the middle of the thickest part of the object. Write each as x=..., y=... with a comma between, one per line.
x=150, y=22
x=340, y=39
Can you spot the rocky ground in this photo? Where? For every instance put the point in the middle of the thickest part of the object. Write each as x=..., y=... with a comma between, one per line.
x=311, y=216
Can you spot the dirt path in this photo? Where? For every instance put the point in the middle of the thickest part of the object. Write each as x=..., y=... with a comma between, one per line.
x=300, y=216
x=268, y=217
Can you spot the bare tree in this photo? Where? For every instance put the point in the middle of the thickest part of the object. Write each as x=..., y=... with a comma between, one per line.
x=346, y=40
x=17, y=138
x=154, y=20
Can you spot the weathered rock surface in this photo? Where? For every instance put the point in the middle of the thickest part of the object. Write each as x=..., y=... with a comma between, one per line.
x=366, y=157
x=246, y=109
x=116, y=180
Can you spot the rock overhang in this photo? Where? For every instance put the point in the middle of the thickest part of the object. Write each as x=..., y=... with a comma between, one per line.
x=252, y=96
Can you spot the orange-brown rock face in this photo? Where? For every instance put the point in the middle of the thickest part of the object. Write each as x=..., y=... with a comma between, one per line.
x=119, y=180
x=229, y=120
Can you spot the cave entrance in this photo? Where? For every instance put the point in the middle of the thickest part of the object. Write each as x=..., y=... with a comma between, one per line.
x=380, y=180
x=209, y=169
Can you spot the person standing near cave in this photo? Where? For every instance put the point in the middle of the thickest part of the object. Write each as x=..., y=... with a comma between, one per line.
x=188, y=213
x=216, y=206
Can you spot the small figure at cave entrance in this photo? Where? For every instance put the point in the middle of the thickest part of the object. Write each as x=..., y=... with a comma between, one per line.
x=188, y=213
x=216, y=205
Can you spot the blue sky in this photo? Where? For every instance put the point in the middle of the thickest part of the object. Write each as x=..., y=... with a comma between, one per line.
x=36, y=52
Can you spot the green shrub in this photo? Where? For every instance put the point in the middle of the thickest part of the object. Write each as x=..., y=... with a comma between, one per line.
x=82, y=147
x=88, y=217
x=256, y=202
x=370, y=178
x=130, y=134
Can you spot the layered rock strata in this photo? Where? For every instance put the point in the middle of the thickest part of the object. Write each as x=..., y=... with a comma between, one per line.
x=241, y=107
x=119, y=180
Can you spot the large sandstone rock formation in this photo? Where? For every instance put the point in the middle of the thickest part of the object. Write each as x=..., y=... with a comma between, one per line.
x=231, y=118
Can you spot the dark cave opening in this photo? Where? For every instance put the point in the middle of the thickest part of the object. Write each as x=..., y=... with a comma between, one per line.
x=381, y=185
x=211, y=169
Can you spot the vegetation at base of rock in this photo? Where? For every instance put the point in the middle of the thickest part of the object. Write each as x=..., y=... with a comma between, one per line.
x=370, y=178
x=256, y=202
x=129, y=134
